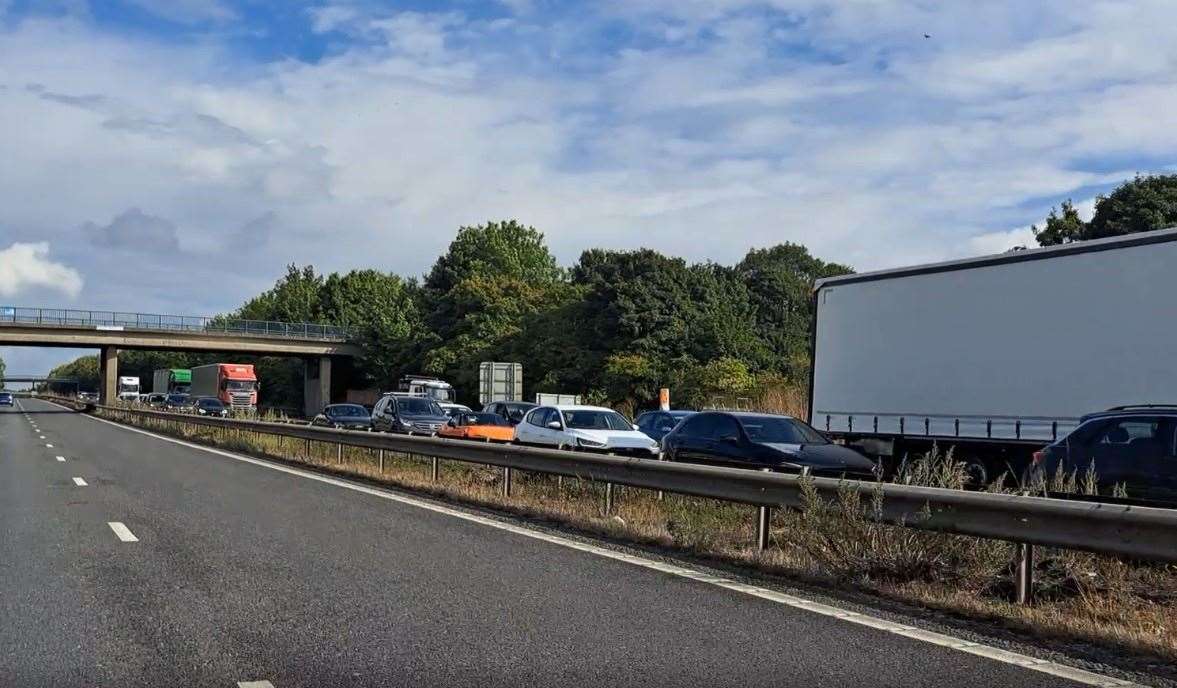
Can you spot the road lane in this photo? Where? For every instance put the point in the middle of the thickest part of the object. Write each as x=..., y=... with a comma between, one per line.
x=242, y=574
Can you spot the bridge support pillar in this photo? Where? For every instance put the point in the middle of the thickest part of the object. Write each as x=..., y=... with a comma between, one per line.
x=108, y=374
x=316, y=384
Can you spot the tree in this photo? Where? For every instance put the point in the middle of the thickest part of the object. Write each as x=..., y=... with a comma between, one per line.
x=1144, y=204
x=496, y=249
x=780, y=284
x=1061, y=229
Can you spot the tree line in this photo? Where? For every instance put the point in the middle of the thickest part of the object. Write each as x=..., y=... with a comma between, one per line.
x=614, y=327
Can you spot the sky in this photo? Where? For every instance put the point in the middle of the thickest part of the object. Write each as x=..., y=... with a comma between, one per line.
x=174, y=155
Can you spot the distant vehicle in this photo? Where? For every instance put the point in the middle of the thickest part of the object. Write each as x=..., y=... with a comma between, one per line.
x=128, y=388
x=1134, y=446
x=233, y=383
x=178, y=402
x=511, y=411
x=6, y=399
x=87, y=396
x=499, y=382
x=345, y=416
x=478, y=426
x=657, y=423
x=592, y=428
x=453, y=409
x=761, y=440
x=957, y=355
x=155, y=399
x=408, y=415
x=426, y=386
x=171, y=380
x=210, y=406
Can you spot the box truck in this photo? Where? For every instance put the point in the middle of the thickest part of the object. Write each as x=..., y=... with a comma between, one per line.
x=128, y=388
x=233, y=383
x=427, y=386
x=994, y=356
x=499, y=382
x=171, y=380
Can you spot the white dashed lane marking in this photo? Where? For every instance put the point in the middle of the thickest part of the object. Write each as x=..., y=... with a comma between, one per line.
x=254, y=684
x=81, y=483
x=124, y=533
x=60, y=458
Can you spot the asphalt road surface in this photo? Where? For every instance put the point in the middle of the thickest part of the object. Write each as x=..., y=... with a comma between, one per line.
x=133, y=561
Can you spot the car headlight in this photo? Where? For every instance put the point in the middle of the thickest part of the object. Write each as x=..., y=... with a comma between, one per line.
x=582, y=442
x=201, y=411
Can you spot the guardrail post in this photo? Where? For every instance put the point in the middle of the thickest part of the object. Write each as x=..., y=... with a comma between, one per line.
x=436, y=468
x=381, y=460
x=306, y=454
x=763, y=521
x=608, y=498
x=506, y=481
x=339, y=453
x=1025, y=573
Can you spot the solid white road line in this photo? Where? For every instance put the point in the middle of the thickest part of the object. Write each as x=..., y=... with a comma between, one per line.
x=254, y=684
x=81, y=483
x=959, y=644
x=124, y=533
x=60, y=458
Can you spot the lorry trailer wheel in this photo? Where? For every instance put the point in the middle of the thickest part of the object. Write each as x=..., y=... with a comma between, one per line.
x=976, y=474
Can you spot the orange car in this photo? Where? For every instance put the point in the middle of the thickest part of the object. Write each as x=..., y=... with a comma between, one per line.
x=478, y=426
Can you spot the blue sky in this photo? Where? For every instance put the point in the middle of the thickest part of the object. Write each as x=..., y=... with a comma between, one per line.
x=175, y=155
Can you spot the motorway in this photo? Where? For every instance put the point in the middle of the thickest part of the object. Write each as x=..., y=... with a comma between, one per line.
x=223, y=572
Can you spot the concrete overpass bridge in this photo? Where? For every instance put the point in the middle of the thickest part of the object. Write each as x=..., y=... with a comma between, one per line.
x=109, y=331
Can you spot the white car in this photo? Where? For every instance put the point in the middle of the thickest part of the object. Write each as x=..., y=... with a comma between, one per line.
x=451, y=409
x=584, y=427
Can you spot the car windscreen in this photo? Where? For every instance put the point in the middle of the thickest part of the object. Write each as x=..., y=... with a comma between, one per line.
x=483, y=419
x=210, y=403
x=596, y=420
x=780, y=431
x=177, y=398
x=239, y=385
x=418, y=406
x=347, y=411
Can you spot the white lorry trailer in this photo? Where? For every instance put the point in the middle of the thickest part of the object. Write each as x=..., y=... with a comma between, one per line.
x=998, y=355
x=499, y=382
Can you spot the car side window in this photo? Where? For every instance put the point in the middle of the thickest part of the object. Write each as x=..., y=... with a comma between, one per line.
x=646, y=421
x=1134, y=439
x=536, y=417
x=554, y=415
x=699, y=426
x=724, y=426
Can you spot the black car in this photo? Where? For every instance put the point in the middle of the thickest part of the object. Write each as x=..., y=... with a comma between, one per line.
x=1134, y=447
x=210, y=406
x=178, y=402
x=6, y=399
x=761, y=440
x=347, y=416
x=657, y=423
x=512, y=411
x=408, y=415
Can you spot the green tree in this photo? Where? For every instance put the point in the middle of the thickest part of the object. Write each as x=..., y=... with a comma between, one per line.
x=1144, y=204
x=1061, y=228
x=496, y=249
x=780, y=285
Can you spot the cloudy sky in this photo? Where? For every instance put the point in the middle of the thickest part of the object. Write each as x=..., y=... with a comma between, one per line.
x=173, y=155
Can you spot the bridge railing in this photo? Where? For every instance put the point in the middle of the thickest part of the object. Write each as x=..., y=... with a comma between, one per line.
x=64, y=317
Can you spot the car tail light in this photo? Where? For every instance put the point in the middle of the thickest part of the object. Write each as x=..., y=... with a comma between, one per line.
x=1039, y=456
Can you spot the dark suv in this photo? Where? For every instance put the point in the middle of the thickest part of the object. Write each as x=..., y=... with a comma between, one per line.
x=1132, y=446
x=408, y=415
x=511, y=411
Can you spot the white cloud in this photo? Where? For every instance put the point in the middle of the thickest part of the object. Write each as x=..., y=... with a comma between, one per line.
x=868, y=143
x=24, y=267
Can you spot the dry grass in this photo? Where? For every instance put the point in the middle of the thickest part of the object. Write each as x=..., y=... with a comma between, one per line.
x=1128, y=607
